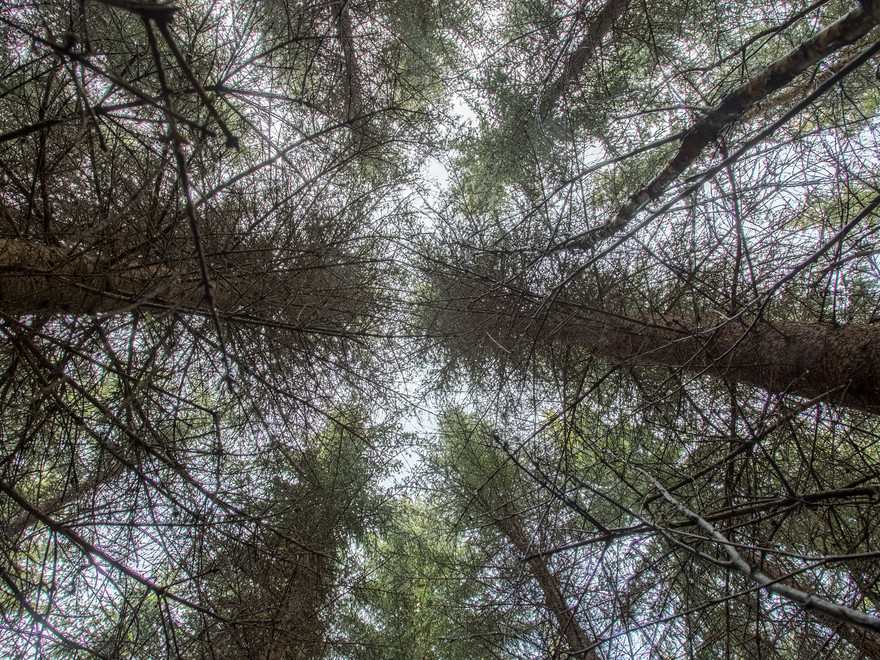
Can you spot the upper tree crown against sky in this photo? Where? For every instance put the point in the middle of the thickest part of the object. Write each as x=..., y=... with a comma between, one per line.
x=608, y=387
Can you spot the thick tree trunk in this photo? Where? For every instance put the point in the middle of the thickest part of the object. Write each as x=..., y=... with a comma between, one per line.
x=297, y=630
x=807, y=359
x=586, y=51
x=42, y=279
x=37, y=278
x=839, y=362
x=576, y=638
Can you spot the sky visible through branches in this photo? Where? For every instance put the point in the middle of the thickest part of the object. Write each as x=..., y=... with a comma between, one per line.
x=439, y=330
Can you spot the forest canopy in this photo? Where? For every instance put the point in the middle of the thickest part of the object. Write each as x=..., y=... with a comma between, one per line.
x=438, y=330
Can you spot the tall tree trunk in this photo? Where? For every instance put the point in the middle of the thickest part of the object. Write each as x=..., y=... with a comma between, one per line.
x=576, y=638
x=586, y=51
x=353, y=94
x=363, y=137
x=37, y=278
x=840, y=362
x=297, y=628
x=807, y=359
x=43, y=279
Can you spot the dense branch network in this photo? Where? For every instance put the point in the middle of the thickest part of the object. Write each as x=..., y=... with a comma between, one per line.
x=255, y=369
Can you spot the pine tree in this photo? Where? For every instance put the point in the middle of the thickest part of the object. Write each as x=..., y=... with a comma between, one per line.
x=648, y=291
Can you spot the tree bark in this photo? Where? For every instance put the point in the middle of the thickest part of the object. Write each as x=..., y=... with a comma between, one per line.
x=353, y=94
x=586, y=51
x=570, y=629
x=43, y=279
x=838, y=362
x=37, y=278
x=806, y=359
x=297, y=626
x=13, y=527
x=865, y=641
x=847, y=30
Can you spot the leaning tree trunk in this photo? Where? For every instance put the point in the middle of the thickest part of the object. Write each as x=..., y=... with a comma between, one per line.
x=579, y=643
x=845, y=31
x=586, y=51
x=838, y=362
x=12, y=528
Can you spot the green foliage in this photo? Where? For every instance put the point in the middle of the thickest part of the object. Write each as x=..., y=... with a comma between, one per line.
x=209, y=353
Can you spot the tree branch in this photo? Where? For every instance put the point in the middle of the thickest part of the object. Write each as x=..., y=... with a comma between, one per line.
x=809, y=602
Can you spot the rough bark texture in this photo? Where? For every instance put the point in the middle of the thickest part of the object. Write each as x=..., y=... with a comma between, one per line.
x=42, y=279
x=576, y=638
x=838, y=362
x=807, y=359
x=795, y=92
x=38, y=278
x=298, y=631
